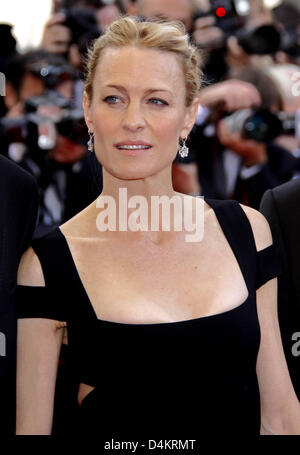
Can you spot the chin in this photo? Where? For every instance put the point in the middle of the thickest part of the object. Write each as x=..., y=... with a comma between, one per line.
x=130, y=175
x=133, y=172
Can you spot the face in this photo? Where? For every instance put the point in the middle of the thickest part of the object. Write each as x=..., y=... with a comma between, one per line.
x=106, y=15
x=31, y=86
x=171, y=10
x=138, y=100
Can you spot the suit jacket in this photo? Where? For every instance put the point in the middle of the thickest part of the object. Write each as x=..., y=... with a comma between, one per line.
x=18, y=216
x=281, y=207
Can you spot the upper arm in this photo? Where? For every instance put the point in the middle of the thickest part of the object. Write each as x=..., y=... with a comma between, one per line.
x=38, y=347
x=260, y=227
x=30, y=271
x=280, y=410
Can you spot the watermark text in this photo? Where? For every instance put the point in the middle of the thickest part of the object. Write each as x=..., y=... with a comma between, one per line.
x=296, y=346
x=2, y=345
x=165, y=213
x=2, y=84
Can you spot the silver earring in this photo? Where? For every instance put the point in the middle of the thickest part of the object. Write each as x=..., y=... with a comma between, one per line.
x=183, y=149
x=90, y=144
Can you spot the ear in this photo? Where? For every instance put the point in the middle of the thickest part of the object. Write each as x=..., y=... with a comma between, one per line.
x=190, y=118
x=86, y=104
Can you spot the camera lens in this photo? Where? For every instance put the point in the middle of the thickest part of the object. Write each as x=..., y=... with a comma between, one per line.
x=262, y=126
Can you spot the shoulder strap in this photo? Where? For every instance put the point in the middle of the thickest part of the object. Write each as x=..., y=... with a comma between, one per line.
x=47, y=301
x=49, y=250
x=268, y=265
x=60, y=273
x=56, y=260
x=238, y=232
x=38, y=302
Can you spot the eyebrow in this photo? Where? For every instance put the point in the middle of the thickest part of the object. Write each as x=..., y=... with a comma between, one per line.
x=150, y=90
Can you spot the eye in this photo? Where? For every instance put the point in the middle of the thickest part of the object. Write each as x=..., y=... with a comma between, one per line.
x=112, y=99
x=158, y=102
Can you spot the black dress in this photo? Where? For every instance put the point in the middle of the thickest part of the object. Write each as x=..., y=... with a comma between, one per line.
x=192, y=377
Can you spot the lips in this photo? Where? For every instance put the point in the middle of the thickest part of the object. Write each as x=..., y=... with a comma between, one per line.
x=132, y=148
x=133, y=145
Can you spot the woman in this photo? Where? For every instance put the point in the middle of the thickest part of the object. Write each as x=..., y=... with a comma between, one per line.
x=166, y=334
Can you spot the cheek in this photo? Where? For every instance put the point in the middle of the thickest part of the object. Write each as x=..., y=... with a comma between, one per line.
x=105, y=125
x=169, y=129
x=166, y=131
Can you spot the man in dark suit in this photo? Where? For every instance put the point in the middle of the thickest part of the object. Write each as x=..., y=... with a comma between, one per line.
x=18, y=216
x=281, y=207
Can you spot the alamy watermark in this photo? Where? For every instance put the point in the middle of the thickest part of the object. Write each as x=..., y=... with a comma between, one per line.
x=138, y=220
x=2, y=84
x=295, y=76
x=2, y=345
x=296, y=346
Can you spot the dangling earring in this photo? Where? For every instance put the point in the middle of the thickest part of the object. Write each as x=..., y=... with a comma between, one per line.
x=183, y=149
x=90, y=144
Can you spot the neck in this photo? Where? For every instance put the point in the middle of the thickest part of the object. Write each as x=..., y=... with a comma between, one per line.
x=125, y=205
x=159, y=184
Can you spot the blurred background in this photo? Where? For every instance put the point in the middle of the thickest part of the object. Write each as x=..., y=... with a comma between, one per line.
x=247, y=133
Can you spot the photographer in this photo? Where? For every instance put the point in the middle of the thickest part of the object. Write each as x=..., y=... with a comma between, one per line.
x=253, y=160
x=287, y=18
x=243, y=36
x=67, y=28
x=75, y=24
x=68, y=33
x=25, y=80
x=44, y=134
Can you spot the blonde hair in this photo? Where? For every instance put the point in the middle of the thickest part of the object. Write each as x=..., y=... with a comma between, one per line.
x=155, y=35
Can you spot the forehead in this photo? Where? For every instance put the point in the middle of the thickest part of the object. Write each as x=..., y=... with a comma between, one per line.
x=169, y=9
x=137, y=67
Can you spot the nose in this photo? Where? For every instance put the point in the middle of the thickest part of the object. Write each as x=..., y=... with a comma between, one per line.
x=133, y=117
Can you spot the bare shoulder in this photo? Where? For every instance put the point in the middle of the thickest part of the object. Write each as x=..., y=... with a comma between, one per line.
x=260, y=227
x=30, y=271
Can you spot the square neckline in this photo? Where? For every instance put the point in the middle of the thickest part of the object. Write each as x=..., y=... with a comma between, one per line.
x=237, y=308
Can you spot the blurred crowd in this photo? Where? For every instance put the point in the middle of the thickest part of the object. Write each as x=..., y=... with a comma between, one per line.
x=247, y=133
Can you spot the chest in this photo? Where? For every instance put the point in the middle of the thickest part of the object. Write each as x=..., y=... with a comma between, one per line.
x=146, y=283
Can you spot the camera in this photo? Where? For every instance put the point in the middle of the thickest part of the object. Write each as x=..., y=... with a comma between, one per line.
x=262, y=40
x=45, y=116
x=52, y=74
x=262, y=125
x=236, y=11
x=234, y=18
